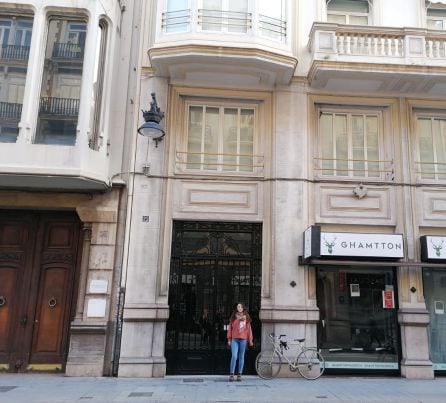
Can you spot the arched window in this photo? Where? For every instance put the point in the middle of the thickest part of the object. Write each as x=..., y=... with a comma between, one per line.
x=354, y=12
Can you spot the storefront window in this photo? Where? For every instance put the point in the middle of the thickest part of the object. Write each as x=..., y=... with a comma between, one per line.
x=358, y=327
x=435, y=295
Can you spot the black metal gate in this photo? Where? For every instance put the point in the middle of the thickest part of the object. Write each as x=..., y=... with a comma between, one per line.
x=214, y=266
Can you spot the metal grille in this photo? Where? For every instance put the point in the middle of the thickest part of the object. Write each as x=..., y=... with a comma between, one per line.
x=213, y=267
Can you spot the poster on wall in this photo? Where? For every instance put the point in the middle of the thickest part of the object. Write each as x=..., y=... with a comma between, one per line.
x=439, y=307
x=388, y=299
x=355, y=290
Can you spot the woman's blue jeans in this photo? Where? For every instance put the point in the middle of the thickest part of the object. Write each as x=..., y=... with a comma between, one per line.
x=238, y=348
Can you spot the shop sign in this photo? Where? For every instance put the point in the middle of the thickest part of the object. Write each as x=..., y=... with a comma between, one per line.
x=347, y=244
x=433, y=248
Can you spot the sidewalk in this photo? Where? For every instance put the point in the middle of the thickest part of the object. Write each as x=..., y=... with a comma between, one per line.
x=30, y=388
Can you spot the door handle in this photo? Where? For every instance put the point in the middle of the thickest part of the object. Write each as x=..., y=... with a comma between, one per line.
x=2, y=300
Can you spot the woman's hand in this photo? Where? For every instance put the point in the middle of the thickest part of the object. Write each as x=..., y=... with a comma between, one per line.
x=229, y=342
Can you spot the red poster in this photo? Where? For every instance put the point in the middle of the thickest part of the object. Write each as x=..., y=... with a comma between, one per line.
x=342, y=281
x=388, y=301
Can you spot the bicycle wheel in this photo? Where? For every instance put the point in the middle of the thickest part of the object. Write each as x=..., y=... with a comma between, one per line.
x=268, y=364
x=310, y=363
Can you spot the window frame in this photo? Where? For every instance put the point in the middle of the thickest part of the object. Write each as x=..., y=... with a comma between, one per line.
x=385, y=149
x=182, y=97
x=221, y=106
x=433, y=18
x=348, y=14
x=431, y=114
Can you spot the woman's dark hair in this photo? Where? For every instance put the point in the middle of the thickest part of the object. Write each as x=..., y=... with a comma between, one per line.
x=244, y=312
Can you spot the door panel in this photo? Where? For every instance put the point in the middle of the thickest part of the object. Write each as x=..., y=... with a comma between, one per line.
x=39, y=286
x=214, y=266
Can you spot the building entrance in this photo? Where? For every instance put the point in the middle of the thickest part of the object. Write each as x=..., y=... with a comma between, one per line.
x=38, y=278
x=213, y=267
x=358, y=328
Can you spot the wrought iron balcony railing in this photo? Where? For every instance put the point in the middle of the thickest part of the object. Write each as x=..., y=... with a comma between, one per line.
x=14, y=52
x=59, y=106
x=68, y=51
x=10, y=110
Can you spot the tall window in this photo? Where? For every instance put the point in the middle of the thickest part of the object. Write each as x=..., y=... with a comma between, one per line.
x=431, y=132
x=225, y=15
x=61, y=83
x=349, y=144
x=98, y=83
x=220, y=138
x=15, y=40
x=354, y=12
x=436, y=18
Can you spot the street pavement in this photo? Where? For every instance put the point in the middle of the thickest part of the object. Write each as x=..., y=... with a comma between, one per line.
x=41, y=388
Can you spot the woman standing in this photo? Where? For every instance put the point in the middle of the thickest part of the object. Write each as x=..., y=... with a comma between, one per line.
x=239, y=335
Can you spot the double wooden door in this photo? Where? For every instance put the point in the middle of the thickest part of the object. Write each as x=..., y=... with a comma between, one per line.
x=38, y=279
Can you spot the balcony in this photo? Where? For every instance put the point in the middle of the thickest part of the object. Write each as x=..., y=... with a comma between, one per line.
x=68, y=51
x=378, y=59
x=223, y=46
x=14, y=53
x=10, y=111
x=56, y=164
x=62, y=107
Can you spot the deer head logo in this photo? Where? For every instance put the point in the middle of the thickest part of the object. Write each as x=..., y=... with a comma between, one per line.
x=330, y=244
x=437, y=247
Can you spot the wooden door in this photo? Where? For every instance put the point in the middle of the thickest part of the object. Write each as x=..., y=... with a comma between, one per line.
x=38, y=280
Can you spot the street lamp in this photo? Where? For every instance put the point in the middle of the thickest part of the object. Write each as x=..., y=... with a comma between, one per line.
x=152, y=118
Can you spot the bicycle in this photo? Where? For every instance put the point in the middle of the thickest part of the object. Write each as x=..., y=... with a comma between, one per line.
x=308, y=361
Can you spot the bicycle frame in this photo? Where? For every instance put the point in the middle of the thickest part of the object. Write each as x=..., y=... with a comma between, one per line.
x=308, y=361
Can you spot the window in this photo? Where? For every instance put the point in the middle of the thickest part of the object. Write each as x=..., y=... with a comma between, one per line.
x=177, y=16
x=15, y=40
x=225, y=16
x=350, y=143
x=98, y=83
x=436, y=18
x=272, y=20
x=354, y=12
x=220, y=138
x=61, y=82
x=431, y=133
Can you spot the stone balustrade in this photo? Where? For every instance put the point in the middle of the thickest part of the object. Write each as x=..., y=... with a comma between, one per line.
x=377, y=44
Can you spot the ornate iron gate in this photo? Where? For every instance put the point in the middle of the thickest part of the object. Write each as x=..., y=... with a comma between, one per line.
x=214, y=266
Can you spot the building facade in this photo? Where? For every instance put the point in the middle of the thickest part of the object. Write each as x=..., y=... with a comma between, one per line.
x=301, y=173
x=318, y=117
x=62, y=145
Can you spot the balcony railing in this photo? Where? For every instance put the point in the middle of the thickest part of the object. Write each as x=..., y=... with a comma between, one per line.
x=10, y=110
x=408, y=46
x=68, y=51
x=14, y=52
x=226, y=21
x=59, y=106
x=204, y=20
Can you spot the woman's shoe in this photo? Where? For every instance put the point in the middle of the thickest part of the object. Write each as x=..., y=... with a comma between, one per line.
x=239, y=378
x=231, y=378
